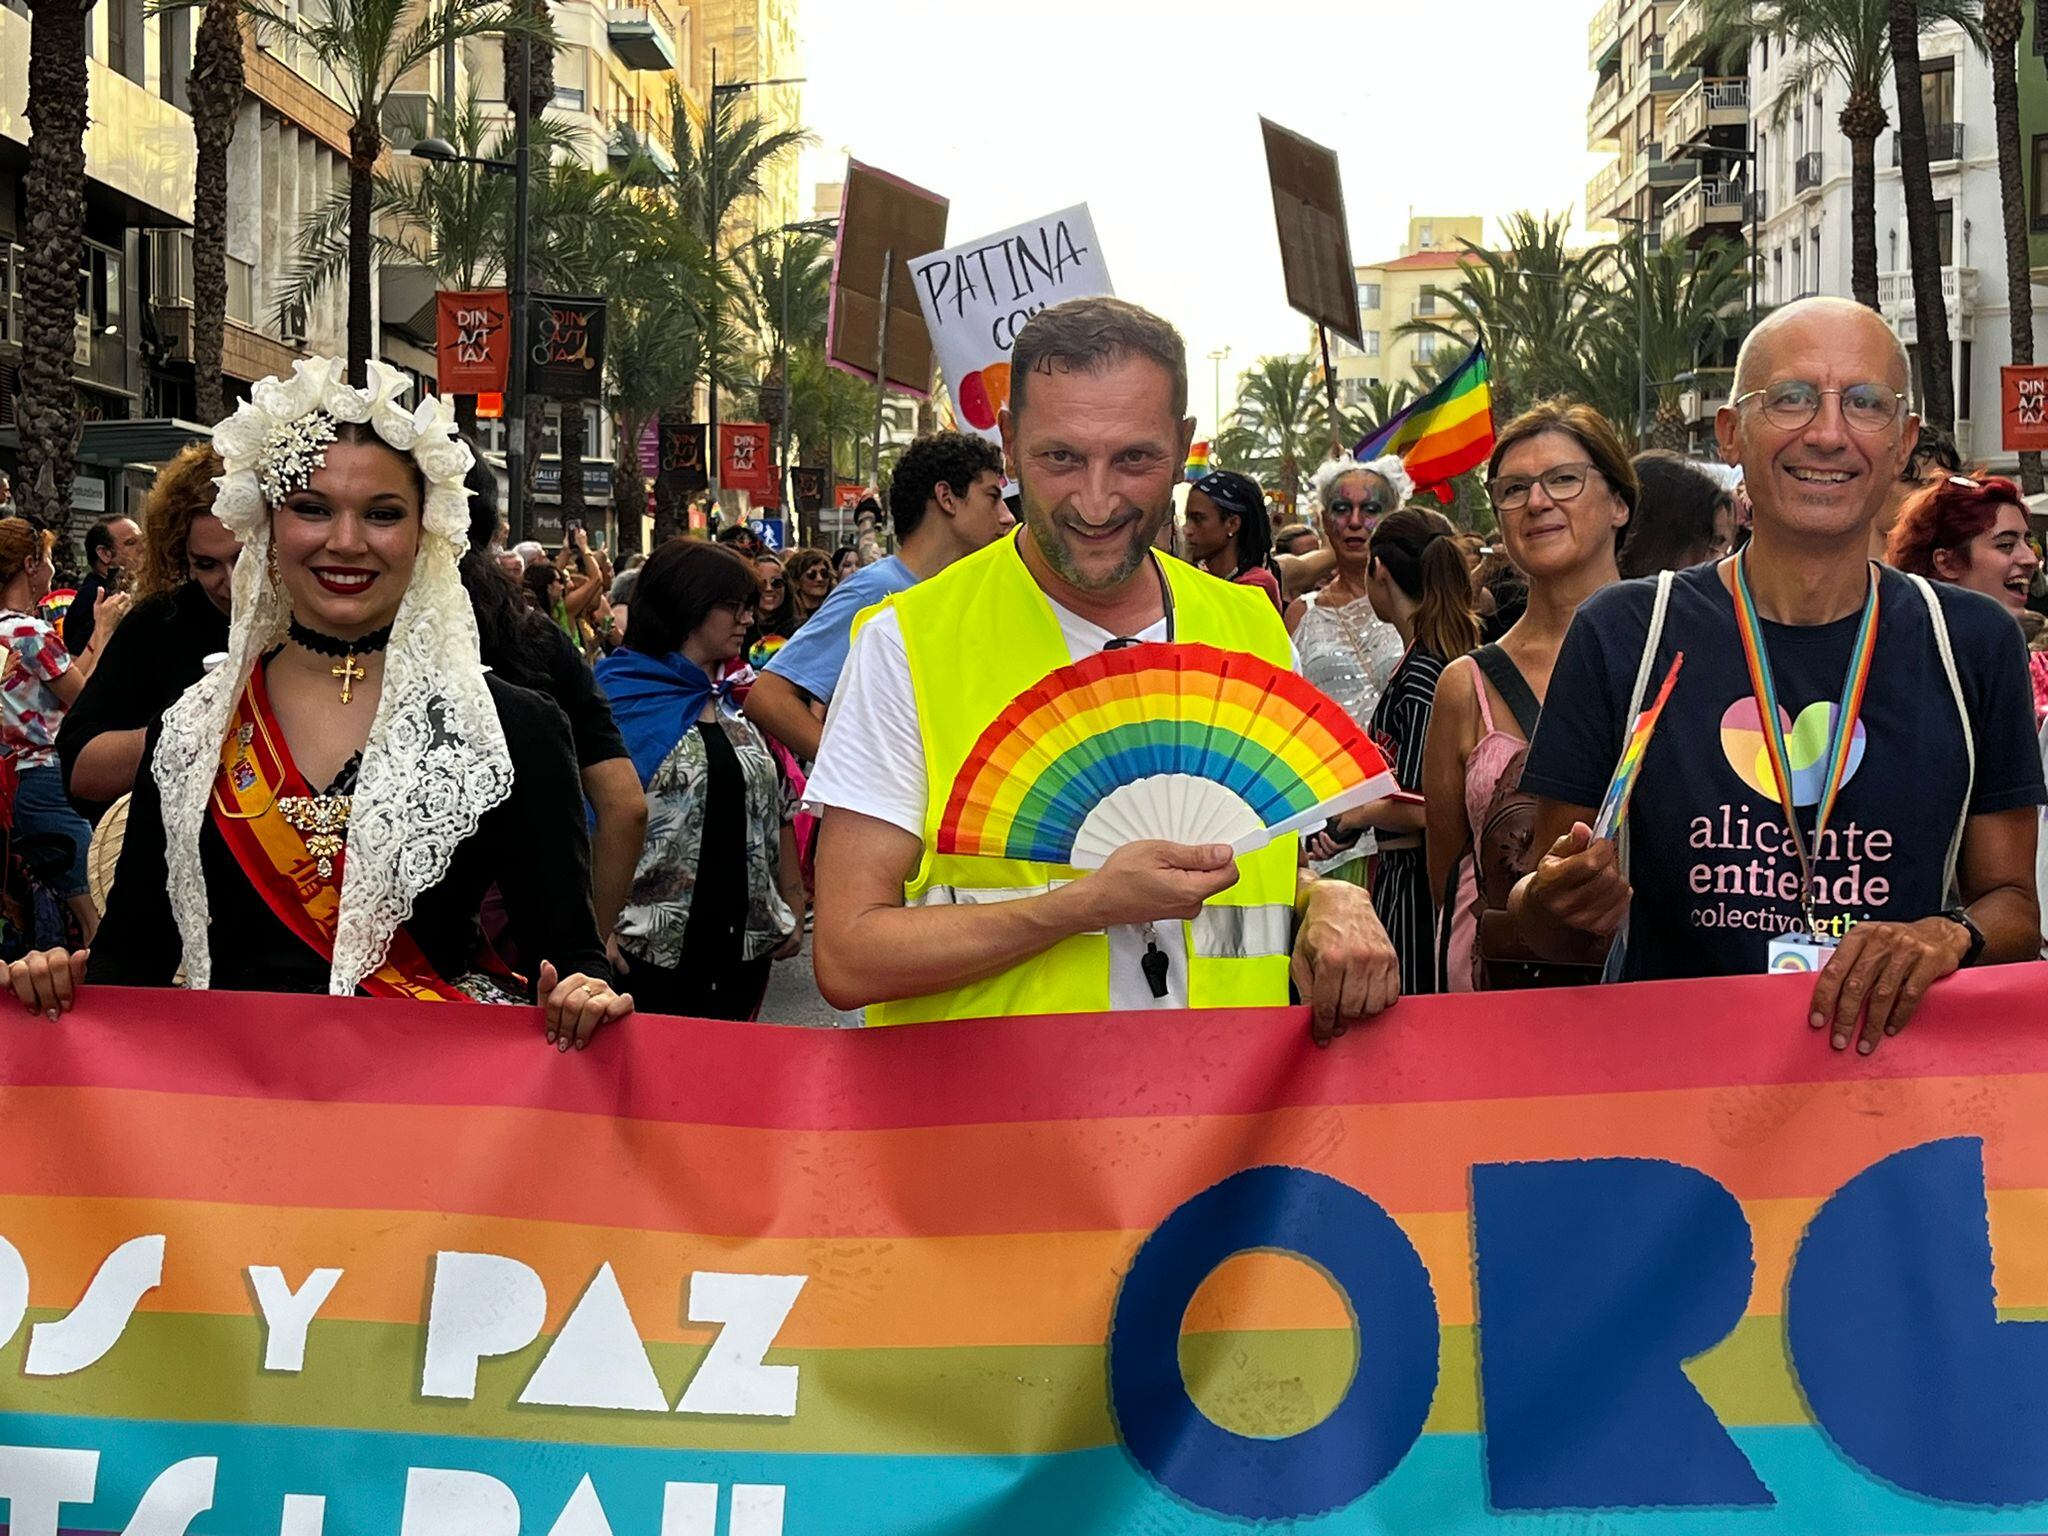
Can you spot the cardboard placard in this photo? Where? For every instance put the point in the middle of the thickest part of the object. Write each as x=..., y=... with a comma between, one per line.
x=977, y=296
x=1315, y=240
x=882, y=215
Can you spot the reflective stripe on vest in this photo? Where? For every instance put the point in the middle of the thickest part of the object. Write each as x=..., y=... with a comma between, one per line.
x=1217, y=933
x=976, y=636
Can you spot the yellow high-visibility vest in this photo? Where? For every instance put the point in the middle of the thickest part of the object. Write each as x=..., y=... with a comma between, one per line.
x=977, y=635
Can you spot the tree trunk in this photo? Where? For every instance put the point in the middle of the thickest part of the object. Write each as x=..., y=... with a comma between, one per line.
x=215, y=88
x=629, y=486
x=1668, y=427
x=365, y=143
x=1930, y=312
x=2003, y=23
x=1863, y=219
x=54, y=193
x=575, y=437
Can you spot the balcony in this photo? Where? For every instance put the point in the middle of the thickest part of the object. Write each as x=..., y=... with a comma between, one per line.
x=642, y=38
x=636, y=132
x=1602, y=125
x=1806, y=173
x=1958, y=296
x=1709, y=104
x=1706, y=392
x=172, y=286
x=1688, y=20
x=1705, y=205
x=1667, y=80
x=1653, y=169
x=1603, y=36
x=1944, y=143
x=1602, y=193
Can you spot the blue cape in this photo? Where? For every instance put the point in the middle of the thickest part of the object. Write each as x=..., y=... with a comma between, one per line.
x=654, y=700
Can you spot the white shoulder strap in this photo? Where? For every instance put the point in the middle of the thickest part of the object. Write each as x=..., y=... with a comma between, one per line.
x=1955, y=687
x=1644, y=669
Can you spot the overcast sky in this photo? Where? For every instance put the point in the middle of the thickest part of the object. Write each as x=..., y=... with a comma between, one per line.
x=1147, y=110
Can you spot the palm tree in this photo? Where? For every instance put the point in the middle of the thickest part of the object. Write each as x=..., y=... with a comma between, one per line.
x=1684, y=305
x=1852, y=40
x=1280, y=424
x=367, y=47
x=54, y=191
x=1532, y=303
x=2004, y=20
x=214, y=88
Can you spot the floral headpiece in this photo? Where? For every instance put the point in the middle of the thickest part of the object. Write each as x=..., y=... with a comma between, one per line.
x=277, y=438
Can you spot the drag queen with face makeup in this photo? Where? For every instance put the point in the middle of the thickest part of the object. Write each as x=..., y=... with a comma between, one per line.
x=324, y=810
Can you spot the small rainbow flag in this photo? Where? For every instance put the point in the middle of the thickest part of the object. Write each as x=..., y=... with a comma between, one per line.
x=1614, y=804
x=1198, y=461
x=55, y=604
x=1446, y=432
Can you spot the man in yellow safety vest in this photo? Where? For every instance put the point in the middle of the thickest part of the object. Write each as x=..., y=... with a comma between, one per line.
x=1095, y=435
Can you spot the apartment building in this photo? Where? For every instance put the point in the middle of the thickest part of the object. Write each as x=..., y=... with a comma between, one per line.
x=1638, y=82
x=1393, y=293
x=1803, y=174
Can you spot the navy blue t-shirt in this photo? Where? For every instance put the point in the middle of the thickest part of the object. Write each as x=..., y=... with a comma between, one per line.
x=1714, y=874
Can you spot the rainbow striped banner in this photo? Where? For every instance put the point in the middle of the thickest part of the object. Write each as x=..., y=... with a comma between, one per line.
x=1634, y=1260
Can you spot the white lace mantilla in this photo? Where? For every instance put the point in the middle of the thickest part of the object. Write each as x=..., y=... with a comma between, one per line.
x=436, y=759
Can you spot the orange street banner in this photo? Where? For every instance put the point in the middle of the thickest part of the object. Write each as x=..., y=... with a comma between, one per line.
x=474, y=342
x=1630, y=1260
x=2023, y=408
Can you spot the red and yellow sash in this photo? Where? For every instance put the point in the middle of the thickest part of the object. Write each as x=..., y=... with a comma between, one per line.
x=255, y=774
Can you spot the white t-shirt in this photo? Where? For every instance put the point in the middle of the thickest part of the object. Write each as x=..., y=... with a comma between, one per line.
x=872, y=761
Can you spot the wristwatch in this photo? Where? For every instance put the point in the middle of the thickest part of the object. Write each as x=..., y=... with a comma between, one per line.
x=1970, y=955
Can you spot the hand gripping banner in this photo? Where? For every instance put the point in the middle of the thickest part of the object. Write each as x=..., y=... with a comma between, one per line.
x=1634, y=1260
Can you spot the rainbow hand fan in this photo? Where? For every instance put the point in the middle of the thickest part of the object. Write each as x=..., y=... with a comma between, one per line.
x=1182, y=742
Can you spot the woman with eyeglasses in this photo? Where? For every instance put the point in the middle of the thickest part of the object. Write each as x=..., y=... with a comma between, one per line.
x=1564, y=493
x=775, y=621
x=1347, y=649
x=809, y=574
x=715, y=896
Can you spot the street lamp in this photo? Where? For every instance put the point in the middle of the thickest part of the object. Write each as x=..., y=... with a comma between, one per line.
x=711, y=213
x=1217, y=357
x=441, y=152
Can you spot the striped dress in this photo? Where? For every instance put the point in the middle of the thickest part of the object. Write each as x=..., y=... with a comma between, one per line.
x=1400, y=886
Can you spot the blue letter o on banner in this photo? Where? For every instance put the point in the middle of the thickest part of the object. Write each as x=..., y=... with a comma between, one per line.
x=1367, y=1256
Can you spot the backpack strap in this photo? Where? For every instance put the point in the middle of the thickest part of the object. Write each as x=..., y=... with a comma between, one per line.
x=1644, y=668
x=1939, y=621
x=1508, y=681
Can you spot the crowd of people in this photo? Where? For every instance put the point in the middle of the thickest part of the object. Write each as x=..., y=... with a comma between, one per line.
x=346, y=739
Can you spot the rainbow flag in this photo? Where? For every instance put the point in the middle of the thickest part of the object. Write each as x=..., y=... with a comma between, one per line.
x=1445, y=432
x=1614, y=804
x=1198, y=461
x=55, y=604
x=305, y=1264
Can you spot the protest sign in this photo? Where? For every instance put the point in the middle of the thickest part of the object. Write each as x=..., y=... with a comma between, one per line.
x=2023, y=392
x=885, y=223
x=976, y=296
x=399, y=1267
x=473, y=342
x=566, y=347
x=1315, y=239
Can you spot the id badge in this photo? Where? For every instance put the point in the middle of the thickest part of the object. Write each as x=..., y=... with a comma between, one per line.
x=1794, y=954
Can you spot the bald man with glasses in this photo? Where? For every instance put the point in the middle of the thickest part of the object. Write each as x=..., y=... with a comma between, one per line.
x=1846, y=778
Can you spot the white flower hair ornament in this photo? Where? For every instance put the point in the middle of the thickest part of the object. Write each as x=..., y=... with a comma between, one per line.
x=277, y=439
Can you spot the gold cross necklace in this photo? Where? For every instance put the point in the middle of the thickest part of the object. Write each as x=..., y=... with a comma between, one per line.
x=348, y=670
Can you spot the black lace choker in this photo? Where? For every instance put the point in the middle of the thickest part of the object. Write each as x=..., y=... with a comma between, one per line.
x=327, y=645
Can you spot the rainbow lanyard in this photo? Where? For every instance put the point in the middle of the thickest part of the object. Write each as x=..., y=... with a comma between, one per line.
x=1841, y=731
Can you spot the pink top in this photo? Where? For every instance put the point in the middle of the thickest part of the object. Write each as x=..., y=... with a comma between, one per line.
x=1484, y=765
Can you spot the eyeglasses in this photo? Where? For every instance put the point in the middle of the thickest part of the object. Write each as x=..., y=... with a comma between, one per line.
x=1560, y=482
x=1792, y=403
x=1343, y=507
x=742, y=612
